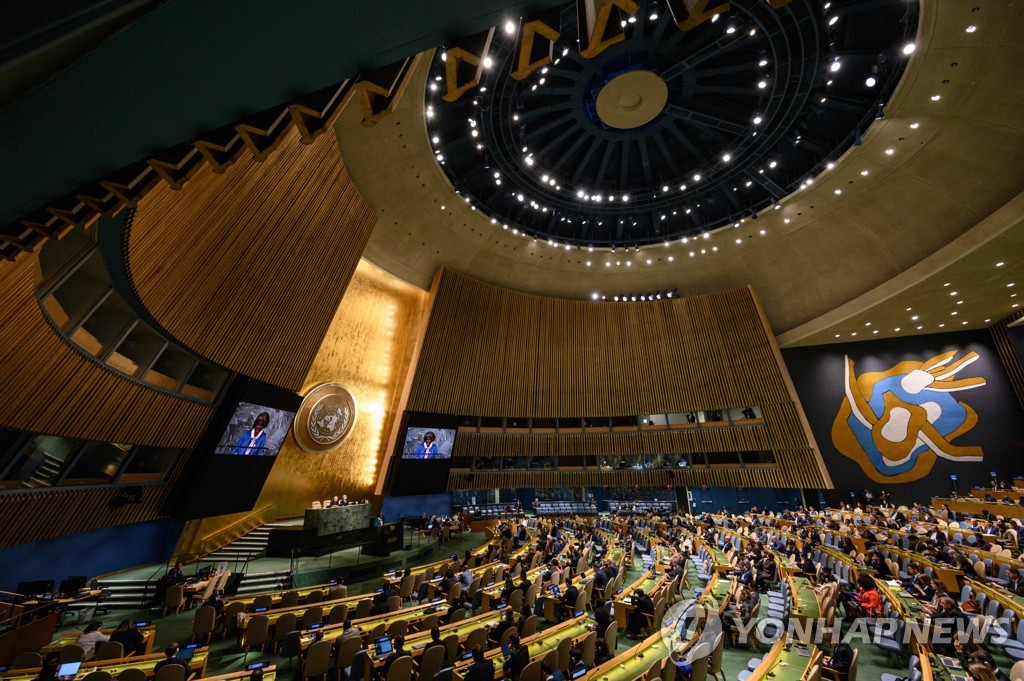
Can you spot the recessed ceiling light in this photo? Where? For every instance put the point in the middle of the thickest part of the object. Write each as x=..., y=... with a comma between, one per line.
x=896, y=329
x=999, y=264
x=488, y=63
x=867, y=323
x=864, y=173
x=762, y=84
x=1009, y=285
x=952, y=293
x=763, y=62
x=936, y=98
x=909, y=48
x=833, y=21
x=696, y=178
x=773, y=164
x=987, y=321
x=870, y=82
x=890, y=152
x=971, y=29
x=915, y=126
x=671, y=258
x=730, y=30
x=914, y=318
x=838, y=192
x=875, y=331
x=835, y=66
x=726, y=157
x=919, y=328
x=837, y=335
x=959, y=302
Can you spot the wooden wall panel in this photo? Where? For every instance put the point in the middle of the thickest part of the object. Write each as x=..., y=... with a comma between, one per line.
x=491, y=351
x=248, y=267
x=51, y=387
x=1008, y=356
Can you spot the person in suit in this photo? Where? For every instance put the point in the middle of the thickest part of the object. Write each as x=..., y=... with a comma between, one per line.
x=482, y=669
x=171, y=657
x=842, y=658
x=600, y=581
x=637, y=620
x=508, y=621
x=128, y=636
x=517, y=661
x=435, y=640
x=398, y=652
x=427, y=449
x=569, y=597
x=603, y=616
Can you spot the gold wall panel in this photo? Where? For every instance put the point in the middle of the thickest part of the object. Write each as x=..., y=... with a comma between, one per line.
x=368, y=348
x=247, y=267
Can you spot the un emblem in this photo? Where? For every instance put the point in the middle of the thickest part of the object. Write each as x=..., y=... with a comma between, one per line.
x=895, y=423
x=325, y=419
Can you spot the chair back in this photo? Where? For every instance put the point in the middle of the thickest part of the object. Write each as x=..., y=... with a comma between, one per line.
x=174, y=596
x=378, y=631
x=715, y=663
x=451, y=644
x=395, y=603
x=98, y=675
x=506, y=636
x=427, y=622
x=457, y=616
x=285, y=623
x=398, y=628
x=360, y=666
x=581, y=603
x=204, y=621
x=132, y=674
x=588, y=647
x=515, y=600
x=401, y=669
x=455, y=593
x=170, y=672
x=291, y=643
x=529, y=626
x=263, y=601
x=290, y=599
x=611, y=635
x=255, y=631
x=531, y=672
x=852, y=676
x=405, y=588
x=980, y=569
x=532, y=593
x=1017, y=671
x=477, y=637
x=563, y=653
x=338, y=614
x=72, y=653
x=314, y=615
x=363, y=608
x=27, y=660
x=110, y=650
x=431, y=662
x=346, y=652
x=314, y=596
x=318, y=659
x=336, y=592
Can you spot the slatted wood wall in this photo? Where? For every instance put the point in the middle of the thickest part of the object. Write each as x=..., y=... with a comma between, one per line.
x=1007, y=354
x=690, y=477
x=490, y=351
x=34, y=516
x=51, y=387
x=248, y=267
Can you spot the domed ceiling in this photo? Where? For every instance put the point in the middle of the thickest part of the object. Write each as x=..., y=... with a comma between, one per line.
x=666, y=132
x=864, y=240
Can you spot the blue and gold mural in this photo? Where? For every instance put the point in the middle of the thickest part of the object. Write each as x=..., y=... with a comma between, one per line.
x=896, y=423
x=908, y=413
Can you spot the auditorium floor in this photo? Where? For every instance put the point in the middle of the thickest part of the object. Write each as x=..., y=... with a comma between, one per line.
x=225, y=656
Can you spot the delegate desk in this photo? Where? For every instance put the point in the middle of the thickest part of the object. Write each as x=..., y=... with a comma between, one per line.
x=974, y=507
x=324, y=521
x=69, y=637
x=115, y=667
x=786, y=661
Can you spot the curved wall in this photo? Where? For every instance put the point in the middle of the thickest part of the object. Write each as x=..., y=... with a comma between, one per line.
x=247, y=267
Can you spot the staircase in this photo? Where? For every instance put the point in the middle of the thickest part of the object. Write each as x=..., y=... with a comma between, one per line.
x=248, y=546
x=130, y=593
x=254, y=582
x=45, y=473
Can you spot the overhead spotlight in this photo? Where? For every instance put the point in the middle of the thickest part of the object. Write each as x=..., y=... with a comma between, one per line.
x=870, y=82
x=833, y=21
x=909, y=48
x=510, y=27
x=835, y=66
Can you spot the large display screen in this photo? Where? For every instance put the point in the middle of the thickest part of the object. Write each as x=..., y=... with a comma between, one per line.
x=254, y=430
x=428, y=443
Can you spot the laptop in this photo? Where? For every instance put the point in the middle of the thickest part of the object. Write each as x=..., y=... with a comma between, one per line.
x=315, y=625
x=557, y=675
x=263, y=609
x=188, y=652
x=506, y=650
x=579, y=672
x=262, y=664
x=143, y=623
x=68, y=670
x=554, y=589
x=382, y=646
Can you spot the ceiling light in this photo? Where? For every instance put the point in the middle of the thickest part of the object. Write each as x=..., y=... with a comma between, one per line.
x=762, y=84
x=909, y=48
x=1009, y=285
x=890, y=152
x=999, y=264
x=436, y=139
x=971, y=29
x=864, y=173
x=919, y=328
x=625, y=197
x=757, y=120
x=488, y=63
x=896, y=329
x=607, y=264
x=952, y=293
x=838, y=192
x=936, y=98
x=696, y=178
x=714, y=18
x=752, y=32
x=510, y=27
x=773, y=164
x=726, y=157
x=870, y=82
x=444, y=56
x=914, y=318
x=648, y=261
x=835, y=66
x=670, y=258
x=632, y=19
x=654, y=16
x=730, y=30
x=763, y=62
x=915, y=126
x=833, y=21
